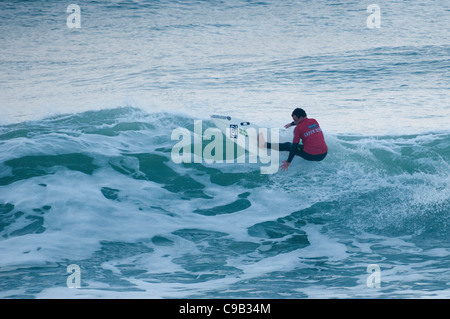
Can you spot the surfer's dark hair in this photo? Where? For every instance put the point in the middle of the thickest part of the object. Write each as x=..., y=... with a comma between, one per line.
x=299, y=112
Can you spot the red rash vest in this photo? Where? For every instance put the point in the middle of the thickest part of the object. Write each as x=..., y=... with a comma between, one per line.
x=312, y=136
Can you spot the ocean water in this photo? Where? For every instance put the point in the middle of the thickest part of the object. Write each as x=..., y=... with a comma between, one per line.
x=86, y=170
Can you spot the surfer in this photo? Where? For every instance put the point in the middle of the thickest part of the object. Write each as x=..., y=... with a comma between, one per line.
x=308, y=130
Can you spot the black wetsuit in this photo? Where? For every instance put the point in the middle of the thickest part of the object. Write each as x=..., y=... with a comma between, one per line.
x=297, y=149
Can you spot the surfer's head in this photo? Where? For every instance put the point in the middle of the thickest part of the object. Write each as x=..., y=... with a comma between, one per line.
x=298, y=112
x=298, y=115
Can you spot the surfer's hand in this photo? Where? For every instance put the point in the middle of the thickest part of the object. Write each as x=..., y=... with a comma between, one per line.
x=285, y=166
x=288, y=125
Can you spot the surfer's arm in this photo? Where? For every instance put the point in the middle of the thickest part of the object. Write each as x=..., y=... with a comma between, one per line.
x=292, y=152
x=289, y=124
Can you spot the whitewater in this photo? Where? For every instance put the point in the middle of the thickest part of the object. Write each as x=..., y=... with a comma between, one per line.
x=87, y=176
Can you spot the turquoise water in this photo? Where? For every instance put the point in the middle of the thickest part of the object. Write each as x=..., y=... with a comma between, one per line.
x=87, y=177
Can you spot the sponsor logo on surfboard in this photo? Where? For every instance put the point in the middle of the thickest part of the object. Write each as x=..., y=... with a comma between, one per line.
x=233, y=130
x=222, y=117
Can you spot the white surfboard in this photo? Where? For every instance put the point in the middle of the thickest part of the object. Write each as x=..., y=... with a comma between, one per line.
x=242, y=132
